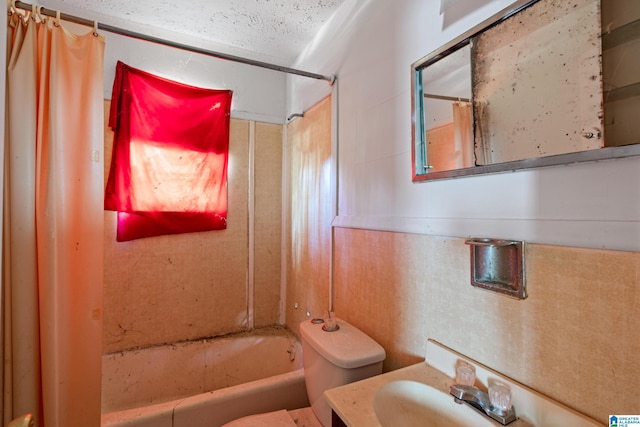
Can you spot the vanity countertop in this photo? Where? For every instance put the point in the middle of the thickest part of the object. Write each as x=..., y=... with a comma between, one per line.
x=353, y=403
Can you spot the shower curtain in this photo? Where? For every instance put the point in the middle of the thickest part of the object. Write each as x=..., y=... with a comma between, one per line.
x=463, y=133
x=53, y=224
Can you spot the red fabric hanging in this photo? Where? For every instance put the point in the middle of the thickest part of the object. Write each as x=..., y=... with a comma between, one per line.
x=168, y=170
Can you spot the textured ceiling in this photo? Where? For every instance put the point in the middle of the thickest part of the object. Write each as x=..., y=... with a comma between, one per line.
x=276, y=30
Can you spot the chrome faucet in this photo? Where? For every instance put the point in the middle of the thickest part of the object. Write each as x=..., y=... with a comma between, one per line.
x=480, y=400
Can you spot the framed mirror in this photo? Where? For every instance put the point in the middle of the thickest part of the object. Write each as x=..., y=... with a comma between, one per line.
x=536, y=85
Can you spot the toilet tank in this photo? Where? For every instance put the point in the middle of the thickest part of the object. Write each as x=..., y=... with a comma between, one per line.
x=336, y=358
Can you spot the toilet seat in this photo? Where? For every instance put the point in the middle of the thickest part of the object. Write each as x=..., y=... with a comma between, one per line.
x=268, y=419
x=295, y=418
x=305, y=417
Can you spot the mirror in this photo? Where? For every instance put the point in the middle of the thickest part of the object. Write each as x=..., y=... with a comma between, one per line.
x=536, y=85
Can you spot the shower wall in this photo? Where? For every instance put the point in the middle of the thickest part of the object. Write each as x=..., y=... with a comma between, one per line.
x=181, y=287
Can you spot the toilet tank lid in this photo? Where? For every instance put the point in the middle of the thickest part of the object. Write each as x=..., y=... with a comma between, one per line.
x=348, y=347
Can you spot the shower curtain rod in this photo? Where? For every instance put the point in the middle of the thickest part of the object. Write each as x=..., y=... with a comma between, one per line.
x=145, y=37
x=446, y=98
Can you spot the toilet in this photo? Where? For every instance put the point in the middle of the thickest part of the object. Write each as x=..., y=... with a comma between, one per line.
x=330, y=359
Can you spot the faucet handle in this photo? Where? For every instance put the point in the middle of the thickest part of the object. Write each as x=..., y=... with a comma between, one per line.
x=465, y=374
x=500, y=397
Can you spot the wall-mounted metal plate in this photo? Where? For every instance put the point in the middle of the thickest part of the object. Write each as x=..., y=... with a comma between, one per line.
x=498, y=265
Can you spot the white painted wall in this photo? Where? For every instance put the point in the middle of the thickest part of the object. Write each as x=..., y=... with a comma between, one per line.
x=370, y=46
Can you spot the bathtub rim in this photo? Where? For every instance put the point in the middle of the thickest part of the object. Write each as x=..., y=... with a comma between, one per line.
x=218, y=407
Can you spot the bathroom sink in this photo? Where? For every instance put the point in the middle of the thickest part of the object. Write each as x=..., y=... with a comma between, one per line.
x=410, y=403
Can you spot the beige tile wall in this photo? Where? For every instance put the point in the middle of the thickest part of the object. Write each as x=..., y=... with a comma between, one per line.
x=576, y=338
x=308, y=214
x=268, y=223
x=180, y=287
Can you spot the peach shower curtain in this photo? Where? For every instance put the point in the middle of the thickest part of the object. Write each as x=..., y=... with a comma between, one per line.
x=463, y=133
x=450, y=146
x=53, y=224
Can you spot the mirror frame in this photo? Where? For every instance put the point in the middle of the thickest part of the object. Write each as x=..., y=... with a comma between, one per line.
x=418, y=142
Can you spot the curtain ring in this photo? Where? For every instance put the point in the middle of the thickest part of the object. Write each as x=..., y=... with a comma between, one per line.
x=57, y=20
x=34, y=11
x=39, y=14
x=12, y=8
x=95, y=28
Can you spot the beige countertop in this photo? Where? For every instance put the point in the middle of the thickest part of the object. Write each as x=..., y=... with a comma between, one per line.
x=354, y=402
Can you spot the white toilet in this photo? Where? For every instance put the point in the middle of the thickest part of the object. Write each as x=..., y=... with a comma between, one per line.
x=330, y=359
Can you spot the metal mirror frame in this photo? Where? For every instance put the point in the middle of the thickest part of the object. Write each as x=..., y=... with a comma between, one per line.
x=418, y=140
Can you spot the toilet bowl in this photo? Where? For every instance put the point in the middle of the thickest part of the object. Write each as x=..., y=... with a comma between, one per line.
x=330, y=359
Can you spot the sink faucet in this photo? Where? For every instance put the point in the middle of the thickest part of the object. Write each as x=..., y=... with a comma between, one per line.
x=480, y=400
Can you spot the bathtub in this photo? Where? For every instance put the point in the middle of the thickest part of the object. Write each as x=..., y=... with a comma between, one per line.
x=203, y=383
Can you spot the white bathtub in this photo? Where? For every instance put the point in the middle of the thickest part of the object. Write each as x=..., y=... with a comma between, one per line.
x=203, y=383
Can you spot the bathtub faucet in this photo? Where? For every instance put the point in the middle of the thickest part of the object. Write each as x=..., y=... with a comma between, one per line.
x=481, y=401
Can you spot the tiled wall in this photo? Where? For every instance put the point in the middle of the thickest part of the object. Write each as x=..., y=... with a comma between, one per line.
x=574, y=338
x=267, y=224
x=180, y=287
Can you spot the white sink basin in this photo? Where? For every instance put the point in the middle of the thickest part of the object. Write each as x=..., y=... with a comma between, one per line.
x=410, y=403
